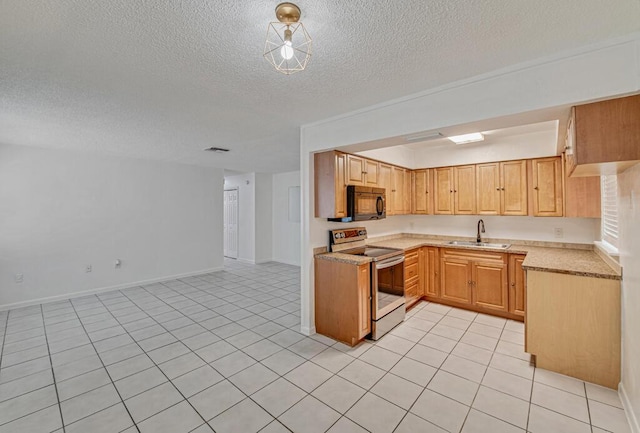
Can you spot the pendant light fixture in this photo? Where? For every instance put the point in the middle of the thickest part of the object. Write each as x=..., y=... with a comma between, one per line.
x=288, y=45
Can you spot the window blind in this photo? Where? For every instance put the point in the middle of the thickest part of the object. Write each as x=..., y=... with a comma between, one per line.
x=610, y=209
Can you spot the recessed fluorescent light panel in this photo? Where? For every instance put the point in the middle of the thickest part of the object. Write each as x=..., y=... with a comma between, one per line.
x=467, y=138
x=216, y=149
x=423, y=137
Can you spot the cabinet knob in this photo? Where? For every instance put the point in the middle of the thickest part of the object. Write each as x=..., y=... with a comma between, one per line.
x=497, y=189
x=470, y=282
x=535, y=187
x=513, y=284
x=502, y=189
x=450, y=190
x=455, y=190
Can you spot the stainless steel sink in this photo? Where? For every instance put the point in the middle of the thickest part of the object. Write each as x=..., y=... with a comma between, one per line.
x=479, y=244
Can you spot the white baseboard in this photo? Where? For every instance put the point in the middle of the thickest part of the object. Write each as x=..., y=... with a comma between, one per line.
x=628, y=409
x=105, y=289
x=306, y=330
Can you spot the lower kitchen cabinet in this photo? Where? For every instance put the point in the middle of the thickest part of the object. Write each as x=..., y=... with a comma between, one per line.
x=517, y=285
x=473, y=279
x=412, y=281
x=430, y=273
x=342, y=300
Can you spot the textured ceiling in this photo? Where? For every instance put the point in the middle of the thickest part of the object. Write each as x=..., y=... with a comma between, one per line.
x=164, y=79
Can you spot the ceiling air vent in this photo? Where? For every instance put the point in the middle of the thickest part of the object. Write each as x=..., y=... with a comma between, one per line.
x=216, y=149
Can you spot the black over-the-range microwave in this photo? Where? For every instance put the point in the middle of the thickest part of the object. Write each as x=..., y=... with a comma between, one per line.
x=364, y=204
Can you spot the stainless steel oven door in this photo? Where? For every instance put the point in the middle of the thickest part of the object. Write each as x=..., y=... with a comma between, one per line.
x=387, y=290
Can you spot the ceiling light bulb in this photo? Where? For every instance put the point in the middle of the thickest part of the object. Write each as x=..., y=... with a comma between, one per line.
x=287, y=50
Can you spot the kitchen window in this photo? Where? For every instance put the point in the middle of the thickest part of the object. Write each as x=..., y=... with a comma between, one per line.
x=609, y=229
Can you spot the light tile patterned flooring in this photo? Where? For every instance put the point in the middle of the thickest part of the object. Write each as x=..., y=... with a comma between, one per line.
x=222, y=352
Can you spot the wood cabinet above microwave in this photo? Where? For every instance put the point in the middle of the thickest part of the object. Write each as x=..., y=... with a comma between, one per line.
x=603, y=137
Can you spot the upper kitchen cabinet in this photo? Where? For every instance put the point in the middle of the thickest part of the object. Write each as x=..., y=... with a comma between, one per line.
x=384, y=181
x=330, y=184
x=362, y=171
x=400, y=191
x=443, y=191
x=546, y=186
x=581, y=196
x=421, y=181
x=502, y=188
x=603, y=137
x=464, y=190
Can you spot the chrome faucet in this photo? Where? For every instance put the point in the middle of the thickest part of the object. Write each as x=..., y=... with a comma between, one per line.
x=479, y=238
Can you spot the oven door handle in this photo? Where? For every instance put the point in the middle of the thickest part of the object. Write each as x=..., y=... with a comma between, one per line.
x=388, y=263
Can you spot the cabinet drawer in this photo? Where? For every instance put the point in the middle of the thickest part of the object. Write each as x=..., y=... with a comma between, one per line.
x=411, y=290
x=411, y=257
x=411, y=271
x=473, y=255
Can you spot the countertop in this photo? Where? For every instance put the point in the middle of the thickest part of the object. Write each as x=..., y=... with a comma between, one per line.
x=562, y=258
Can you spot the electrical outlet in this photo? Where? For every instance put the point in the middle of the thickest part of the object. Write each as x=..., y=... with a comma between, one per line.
x=19, y=278
x=117, y=264
x=88, y=268
x=558, y=232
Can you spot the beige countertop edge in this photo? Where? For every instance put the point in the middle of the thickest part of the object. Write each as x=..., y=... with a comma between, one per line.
x=572, y=272
x=562, y=260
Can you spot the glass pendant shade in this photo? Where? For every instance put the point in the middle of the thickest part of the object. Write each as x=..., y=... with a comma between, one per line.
x=287, y=47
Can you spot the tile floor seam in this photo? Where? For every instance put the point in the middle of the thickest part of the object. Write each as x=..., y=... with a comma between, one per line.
x=108, y=375
x=53, y=374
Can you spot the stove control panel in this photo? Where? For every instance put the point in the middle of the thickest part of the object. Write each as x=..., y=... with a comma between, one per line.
x=348, y=235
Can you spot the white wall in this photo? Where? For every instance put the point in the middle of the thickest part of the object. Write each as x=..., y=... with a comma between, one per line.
x=629, y=214
x=286, y=234
x=397, y=155
x=62, y=210
x=264, y=217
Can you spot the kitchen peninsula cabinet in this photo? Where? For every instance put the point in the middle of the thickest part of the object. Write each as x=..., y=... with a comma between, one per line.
x=502, y=188
x=573, y=325
x=546, y=186
x=342, y=300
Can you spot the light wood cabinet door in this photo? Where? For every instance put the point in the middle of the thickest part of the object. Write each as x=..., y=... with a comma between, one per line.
x=355, y=170
x=489, y=284
x=547, y=186
x=364, y=301
x=513, y=188
x=488, y=188
x=384, y=181
x=431, y=272
x=330, y=184
x=517, y=285
x=371, y=169
x=455, y=283
x=443, y=191
x=406, y=195
x=421, y=271
x=398, y=190
x=582, y=195
x=464, y=190
x=421, y=185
